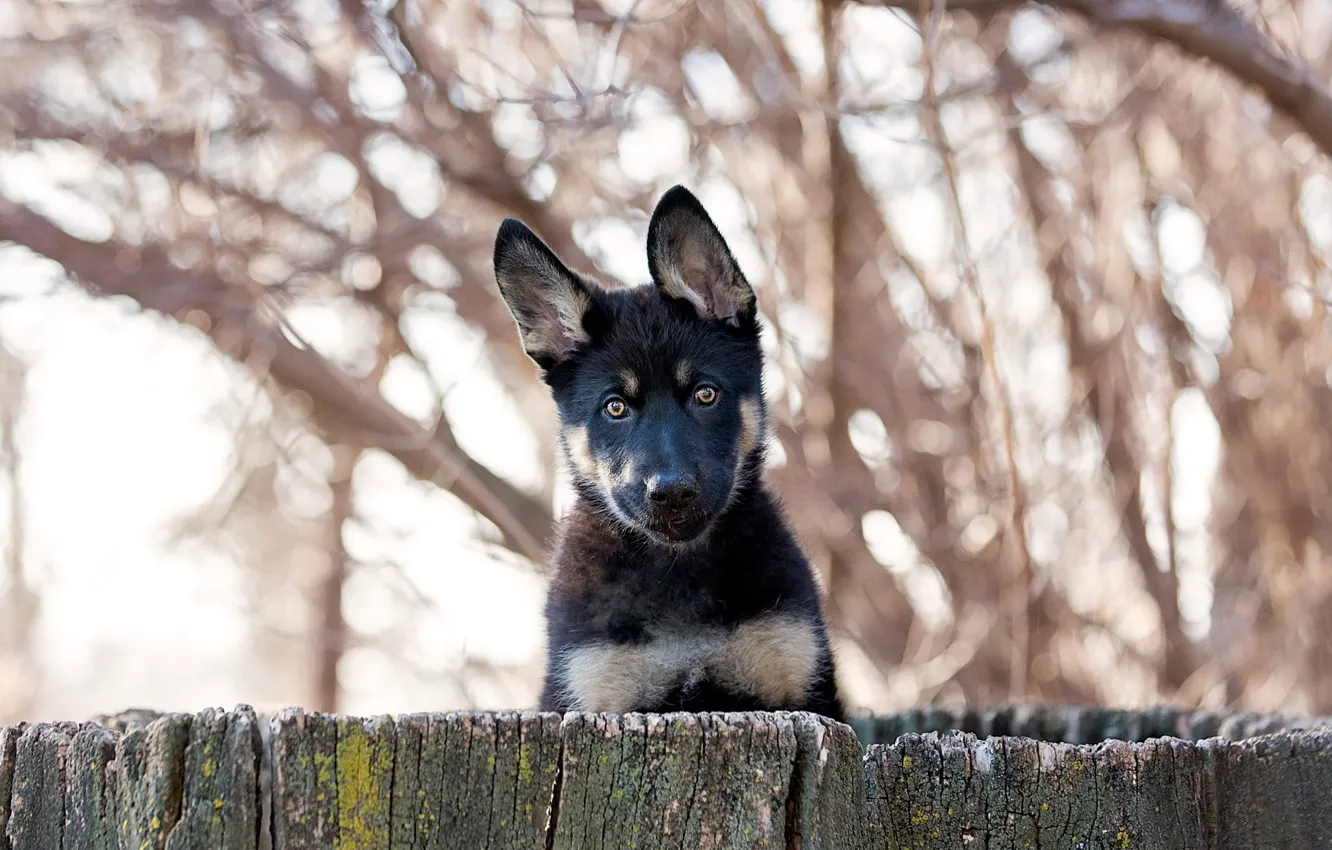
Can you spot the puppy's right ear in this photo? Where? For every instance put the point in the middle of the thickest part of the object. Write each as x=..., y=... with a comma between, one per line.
x=548, y=301
x=690, y=260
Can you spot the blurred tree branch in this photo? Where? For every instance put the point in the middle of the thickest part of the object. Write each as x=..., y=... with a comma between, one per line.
x=146, y=275
x=1206, y=29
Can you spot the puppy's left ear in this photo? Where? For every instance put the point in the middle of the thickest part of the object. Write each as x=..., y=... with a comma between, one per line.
x=690, y=260
x=550, y=304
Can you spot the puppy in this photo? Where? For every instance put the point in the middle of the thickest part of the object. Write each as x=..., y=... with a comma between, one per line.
x=678, y=584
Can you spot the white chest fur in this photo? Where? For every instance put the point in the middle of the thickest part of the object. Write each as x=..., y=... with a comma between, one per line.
x=772, y=658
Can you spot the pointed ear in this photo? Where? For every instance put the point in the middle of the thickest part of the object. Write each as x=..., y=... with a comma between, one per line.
x=690, y=260
x=547, y=300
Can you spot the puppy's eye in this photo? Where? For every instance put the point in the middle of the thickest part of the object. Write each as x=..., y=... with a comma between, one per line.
x=705, y=395
x=616, y=408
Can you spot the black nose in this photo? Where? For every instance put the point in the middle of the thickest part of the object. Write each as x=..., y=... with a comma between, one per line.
x=672, y=489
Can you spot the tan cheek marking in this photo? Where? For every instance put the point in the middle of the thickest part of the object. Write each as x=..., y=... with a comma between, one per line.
x=592, y=467
x=630, y=382
x=773, y=657
x=684, y=370
x=575, y=441
x=611, y=477
x=624, y=477
x=751, y=424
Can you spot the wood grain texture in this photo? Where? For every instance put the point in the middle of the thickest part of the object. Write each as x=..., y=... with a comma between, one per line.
x=173, y=782
x=89, y=818
x=9, y=736
x=36, y=802
x=1003, y=777
x=955, y=790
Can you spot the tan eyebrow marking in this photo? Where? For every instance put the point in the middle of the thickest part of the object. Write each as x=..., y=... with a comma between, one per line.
x=630, y=382
x=684, y=370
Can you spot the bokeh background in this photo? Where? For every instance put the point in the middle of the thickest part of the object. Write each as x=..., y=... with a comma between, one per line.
x=1045, y=288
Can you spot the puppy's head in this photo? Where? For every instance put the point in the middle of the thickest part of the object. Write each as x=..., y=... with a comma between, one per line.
x=659, y=386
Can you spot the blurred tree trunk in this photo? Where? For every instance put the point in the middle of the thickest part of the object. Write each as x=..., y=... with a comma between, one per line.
x=331, y=624
x=19, y=602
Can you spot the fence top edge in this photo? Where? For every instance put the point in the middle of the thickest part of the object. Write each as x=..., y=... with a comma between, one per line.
x=1221, y=728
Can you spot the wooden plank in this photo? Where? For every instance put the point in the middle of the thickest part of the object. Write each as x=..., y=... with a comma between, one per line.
x=364, y=771
x=200, y=823
x=9, y=736
x=305, y=787
x=489, y=779
x=220, y=795
x=407, y=805
x=89, y=818
x=241, y=782
x=713, y=781
x=827, y=805
x=525, y=769
x=37, y=794
x=149, y=780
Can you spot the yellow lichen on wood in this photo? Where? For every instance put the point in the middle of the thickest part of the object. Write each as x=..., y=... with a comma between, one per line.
x=362, y=810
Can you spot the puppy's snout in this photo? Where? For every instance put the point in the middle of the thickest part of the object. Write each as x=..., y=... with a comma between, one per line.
x=672, y=489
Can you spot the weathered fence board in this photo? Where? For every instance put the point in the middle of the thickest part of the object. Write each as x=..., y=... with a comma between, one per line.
x=89, y=823
x=36, y=803
x=1009, y=777
x=9, y=736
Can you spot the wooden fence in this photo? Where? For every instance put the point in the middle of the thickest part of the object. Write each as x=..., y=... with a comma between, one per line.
x=1034, y=778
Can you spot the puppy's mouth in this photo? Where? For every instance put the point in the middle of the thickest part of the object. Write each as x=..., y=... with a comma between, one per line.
x=676, y=526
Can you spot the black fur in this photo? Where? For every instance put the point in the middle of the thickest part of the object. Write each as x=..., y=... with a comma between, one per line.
x=675, y=559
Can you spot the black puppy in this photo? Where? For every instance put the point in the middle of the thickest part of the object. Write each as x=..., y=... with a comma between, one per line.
x=678, y=585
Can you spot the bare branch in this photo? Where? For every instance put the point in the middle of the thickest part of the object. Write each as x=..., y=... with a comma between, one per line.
x=1206, y=29
x=339, y=400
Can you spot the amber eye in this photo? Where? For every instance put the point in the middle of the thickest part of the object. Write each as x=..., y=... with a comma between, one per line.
x=705, y=395
x=616, y=408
